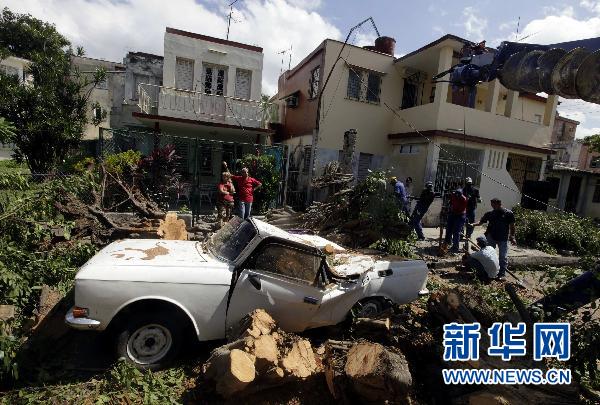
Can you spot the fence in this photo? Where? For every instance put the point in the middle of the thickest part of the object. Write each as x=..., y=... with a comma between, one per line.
x=199, y=167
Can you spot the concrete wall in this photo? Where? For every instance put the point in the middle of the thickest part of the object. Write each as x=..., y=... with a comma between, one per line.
x=204, y=51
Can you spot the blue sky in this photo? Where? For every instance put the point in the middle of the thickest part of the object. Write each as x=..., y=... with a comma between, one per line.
x=109, y=28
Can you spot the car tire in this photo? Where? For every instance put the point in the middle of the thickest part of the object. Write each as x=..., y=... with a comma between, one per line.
x=149, y=341
x=369, y=308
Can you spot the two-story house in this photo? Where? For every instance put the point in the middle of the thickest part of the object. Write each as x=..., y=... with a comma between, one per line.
x=563, y=141
x=203, y=95
x=411, y=124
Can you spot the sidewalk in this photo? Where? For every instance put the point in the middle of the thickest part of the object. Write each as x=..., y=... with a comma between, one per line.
x=517, y=255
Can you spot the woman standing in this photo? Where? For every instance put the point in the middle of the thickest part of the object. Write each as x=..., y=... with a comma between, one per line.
x=225, y=198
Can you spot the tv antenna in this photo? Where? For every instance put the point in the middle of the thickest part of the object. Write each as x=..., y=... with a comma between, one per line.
x=282, y=53
x=230, y=13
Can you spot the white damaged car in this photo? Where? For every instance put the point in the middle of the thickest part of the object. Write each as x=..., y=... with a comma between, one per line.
x=151, y=293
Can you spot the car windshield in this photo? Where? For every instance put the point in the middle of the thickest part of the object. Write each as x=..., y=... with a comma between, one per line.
x=229, y=241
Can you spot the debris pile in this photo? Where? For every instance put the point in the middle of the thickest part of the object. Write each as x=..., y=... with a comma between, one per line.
x=259, y=356
x=333, y=178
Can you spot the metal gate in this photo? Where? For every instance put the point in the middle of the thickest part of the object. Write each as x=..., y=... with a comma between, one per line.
x=452, y=170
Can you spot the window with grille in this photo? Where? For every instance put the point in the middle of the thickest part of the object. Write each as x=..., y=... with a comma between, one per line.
x=407, y=149
x=354, y=85
x=364, y=164
x=214, y=79
x=596, y=196
x=184, y=74
x=313, y=83
x=364, y=86
x=522, y=168
x=374, y=88
x=243, y=78
x=306, y=160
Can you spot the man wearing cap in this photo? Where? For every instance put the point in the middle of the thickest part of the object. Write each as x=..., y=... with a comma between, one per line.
x=500, y=230
x=423, y=203
x=401, y=193
x=472, y=195
x=484, y=262
x=456, y=219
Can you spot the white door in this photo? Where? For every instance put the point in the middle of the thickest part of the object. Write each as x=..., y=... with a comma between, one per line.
x=184, y=74
x=214, y=84
x=243, y=78
x=280, y=280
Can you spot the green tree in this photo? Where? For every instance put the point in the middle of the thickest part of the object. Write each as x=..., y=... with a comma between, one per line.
x=50, y=113
x=593, y=141
x=264, y=169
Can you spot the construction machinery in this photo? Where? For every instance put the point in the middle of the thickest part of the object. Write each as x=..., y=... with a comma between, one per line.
x=568, y=69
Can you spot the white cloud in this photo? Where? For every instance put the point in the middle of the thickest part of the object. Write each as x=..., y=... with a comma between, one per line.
x=364, y=38
x=545, y=31
x=474, y=24
x=586, y=113
x=109, y=29
x=306, y=4
x=582, y=132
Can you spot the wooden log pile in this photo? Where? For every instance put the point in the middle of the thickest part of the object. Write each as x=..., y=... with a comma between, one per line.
x=259, y=356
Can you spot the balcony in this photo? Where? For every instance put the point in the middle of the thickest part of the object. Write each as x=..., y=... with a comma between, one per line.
x=195, y=105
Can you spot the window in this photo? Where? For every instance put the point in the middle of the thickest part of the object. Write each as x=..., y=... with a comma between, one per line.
x=595, y=162
x=313, y=83
x=354, y=85
x=374, y=88
x=184, y=74
x=306, y=159
x=288, y=261
x=364, y=164
x=357, y=89
x=596, y=196
x=9, y=70
x=410, y=148
x=205, y=161
x=215, y=78
x=243, y=78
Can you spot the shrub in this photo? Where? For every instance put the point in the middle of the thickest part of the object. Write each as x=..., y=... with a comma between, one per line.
x=559, y=230
x=396, y=247
x=119, y=163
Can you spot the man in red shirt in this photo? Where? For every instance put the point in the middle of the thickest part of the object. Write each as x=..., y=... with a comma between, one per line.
x=456, y=219
x=245, y=186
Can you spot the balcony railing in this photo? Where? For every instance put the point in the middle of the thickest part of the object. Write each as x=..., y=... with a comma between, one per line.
x=195, y=105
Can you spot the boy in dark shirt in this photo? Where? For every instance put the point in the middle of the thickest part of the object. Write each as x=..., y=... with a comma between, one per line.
x=423, y=203
x=456, y=219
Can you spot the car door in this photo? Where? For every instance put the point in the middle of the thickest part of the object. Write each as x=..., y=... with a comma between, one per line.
x=279, y=278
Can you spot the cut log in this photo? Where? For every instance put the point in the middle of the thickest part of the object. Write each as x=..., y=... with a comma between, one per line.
x=369, y=324
x=232, y=369
x=266, y=352
x=172, y=228
x=377, y=373
x=300, y=361
x=255, y=324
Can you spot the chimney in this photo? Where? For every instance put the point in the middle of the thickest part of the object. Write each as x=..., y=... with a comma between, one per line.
x=385, y=45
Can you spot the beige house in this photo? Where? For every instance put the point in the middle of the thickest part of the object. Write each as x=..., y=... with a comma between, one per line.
x=104, y=95
x=428, y=134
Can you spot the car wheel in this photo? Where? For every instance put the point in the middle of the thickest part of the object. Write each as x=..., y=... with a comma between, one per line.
x=150, y=342
x=369, y=308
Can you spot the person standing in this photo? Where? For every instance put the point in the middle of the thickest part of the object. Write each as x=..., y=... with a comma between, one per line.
x=246, y=186
x=456, y=219
x=225, y=198
x=483, y=262
x=401, y=193
x=472, y=195
x=423, y=203
x=500, y=230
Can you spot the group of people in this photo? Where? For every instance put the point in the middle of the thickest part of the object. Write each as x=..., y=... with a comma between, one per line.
x=461, y=213
x=226, y=191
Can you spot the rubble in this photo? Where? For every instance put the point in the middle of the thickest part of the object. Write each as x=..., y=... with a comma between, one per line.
x=172, y=228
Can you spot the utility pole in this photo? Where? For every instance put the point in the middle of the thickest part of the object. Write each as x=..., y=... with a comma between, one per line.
x=315, y=134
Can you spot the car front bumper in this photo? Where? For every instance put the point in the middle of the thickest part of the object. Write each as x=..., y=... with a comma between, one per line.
x=81, y=323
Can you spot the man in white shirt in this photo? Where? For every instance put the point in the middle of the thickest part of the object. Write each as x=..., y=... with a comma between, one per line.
x=484, y=262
